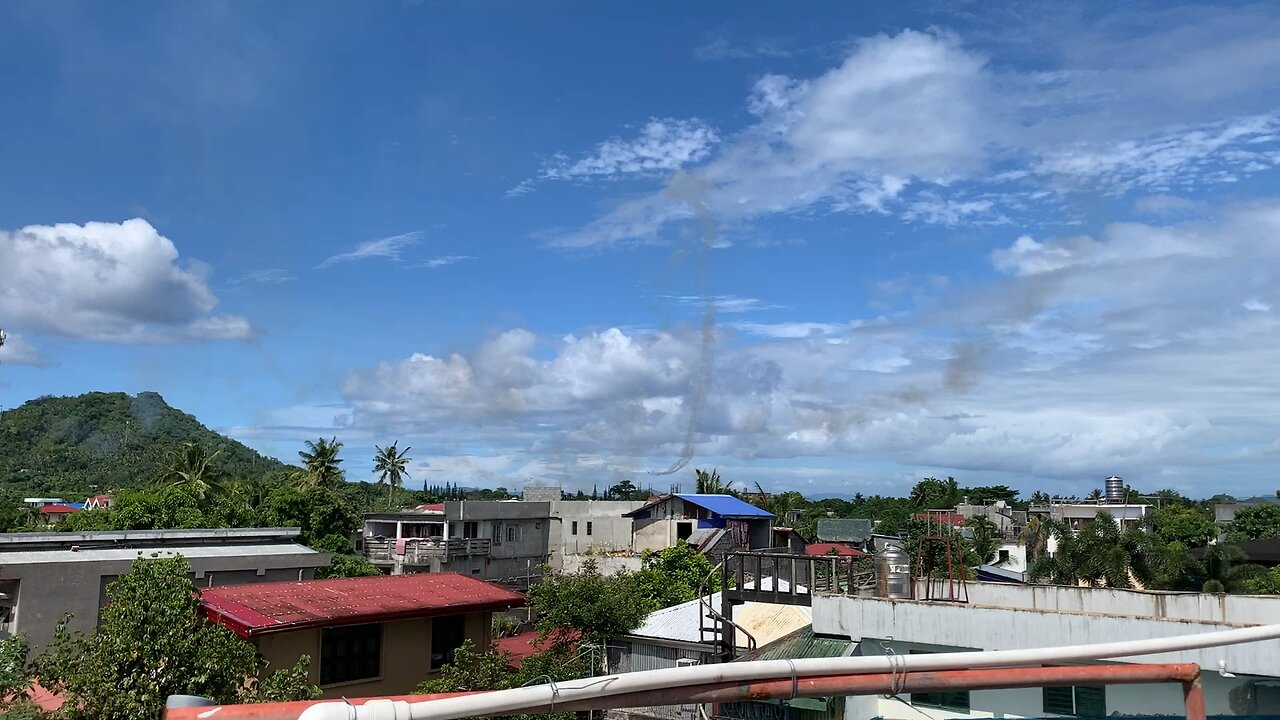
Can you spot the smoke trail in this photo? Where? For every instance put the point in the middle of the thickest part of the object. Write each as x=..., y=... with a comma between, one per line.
x=692, y=191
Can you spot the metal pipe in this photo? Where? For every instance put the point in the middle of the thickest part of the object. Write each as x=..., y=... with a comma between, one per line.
x=1188, y=674
x=1193, y=698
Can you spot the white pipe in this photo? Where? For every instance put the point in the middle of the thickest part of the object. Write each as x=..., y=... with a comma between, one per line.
x=509, y=702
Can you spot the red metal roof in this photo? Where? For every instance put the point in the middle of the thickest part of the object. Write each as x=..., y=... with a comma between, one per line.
x=942, y=518
x=259, y=608
x=826, y=548
x=528, y=643
x=58, y=509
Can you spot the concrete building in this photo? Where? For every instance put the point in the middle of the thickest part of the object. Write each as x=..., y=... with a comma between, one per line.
x=660, y=523
x=502, y=541
x=365, y=635
x=1011, y=616
x=44, y=576
x=1076, y=514
x=1225, y=512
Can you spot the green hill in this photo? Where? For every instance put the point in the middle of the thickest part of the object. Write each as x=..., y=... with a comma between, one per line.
x=101, y=441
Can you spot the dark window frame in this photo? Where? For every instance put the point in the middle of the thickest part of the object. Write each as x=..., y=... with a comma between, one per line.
x=953, y=700
x=448, y=632
x=1075, y=700
x=350, y=654
x=573, y=530
x=588, y=527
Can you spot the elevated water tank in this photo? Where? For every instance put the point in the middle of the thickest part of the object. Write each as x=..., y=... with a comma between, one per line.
x=1115, y=490
x=893, y=573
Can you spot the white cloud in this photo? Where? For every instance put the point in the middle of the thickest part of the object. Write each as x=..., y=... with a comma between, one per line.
x=17, y=351
x=116, y=282
x=1165, y=205
x=723, y=45
x=387, y=247
x=663, y=146
x=1146, y=350
x=726, y=304
x=524, y=187
x=445, y=260
x=265, y=276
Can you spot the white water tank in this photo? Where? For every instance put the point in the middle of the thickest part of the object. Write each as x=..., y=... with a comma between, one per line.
x=893, y=573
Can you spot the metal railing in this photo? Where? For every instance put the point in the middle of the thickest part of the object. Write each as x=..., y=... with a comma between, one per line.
x=421, y=551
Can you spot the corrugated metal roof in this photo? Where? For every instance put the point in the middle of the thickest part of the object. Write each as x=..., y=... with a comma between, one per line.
x=681, y=622
x=801, y=643
x=724, y=505
x=767, y=622
x=844, y=529
x=827, y=548
x=260, y=608
x=35, y=557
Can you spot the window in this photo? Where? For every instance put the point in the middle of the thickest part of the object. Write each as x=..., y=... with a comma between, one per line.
x=513, y=533
x=588, y=527
x=684, y=530
x=470, y=530
x=446, y=637
x=956, y=700
x=573, y=528
x=350, y=653
x=495, y=532
x=1004, y=556
x=1079, y=700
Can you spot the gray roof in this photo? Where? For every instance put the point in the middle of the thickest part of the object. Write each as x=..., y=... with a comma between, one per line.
x=147, y=537
x=844, y=529
x=35, y=557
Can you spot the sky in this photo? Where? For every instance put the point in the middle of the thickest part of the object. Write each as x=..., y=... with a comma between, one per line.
x=833, y=249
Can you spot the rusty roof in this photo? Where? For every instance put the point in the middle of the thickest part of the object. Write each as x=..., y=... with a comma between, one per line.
x=260, y=608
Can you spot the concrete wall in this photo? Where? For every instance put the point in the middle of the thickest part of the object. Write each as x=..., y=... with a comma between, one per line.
x=406, y=655
x=47, y=591
x=511, y=562
x=996, y=628
x=653, y=534
x=609, y=530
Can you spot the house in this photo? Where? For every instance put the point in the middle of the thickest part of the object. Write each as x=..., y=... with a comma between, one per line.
x=584, y=526
x=1225, y=512
x=726, y=522
x=53, y=513
x=365, y=635
x=788, y=540
x=1075, y=514
x=1010, y=616
x=44, y=576
x=98, y=502
x=499, y=540
x=1256, y=552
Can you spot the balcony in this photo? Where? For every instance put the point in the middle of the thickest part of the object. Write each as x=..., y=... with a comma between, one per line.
x=422, y=551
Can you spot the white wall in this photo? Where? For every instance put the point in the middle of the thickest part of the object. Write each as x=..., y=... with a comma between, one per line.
x=610, y=531
x=607, y=564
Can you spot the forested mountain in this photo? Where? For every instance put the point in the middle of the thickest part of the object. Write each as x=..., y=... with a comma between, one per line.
x=99, y=441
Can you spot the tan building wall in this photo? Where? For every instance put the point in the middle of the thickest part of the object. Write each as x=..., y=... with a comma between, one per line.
x=653, y=534
x=405, y=662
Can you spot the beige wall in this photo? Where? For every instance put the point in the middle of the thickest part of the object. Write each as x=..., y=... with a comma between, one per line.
x=406, y=654
x=653, y=534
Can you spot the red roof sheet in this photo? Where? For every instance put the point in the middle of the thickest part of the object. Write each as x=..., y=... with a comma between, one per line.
x=826, y=548
x=58, y=509
x=527, y=643
x=260, y=608
x=952, y=519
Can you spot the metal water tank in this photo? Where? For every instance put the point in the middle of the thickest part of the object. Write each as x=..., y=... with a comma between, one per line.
x=1115, y=490
x=893, y=573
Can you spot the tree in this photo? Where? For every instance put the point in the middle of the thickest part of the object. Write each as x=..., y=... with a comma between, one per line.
x=1226, y=569
x=153, y=642
x=934, y=494
x=1035, y=537
x=320, y=463
x=1094, y=495
x=709, y=483
x=597, y=606
x=984, y=494
x=474, y=669
x=625, y=490
x=1189, y=525
x=1258, y=522
x=391, y=466
x=191, y=467
x=342, y=566
x=1095, y=555
x=1040, y=497
x=986, y=539
x=15, y=680
x=674, y=575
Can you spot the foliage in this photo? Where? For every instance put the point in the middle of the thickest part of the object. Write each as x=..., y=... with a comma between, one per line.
x=343, y=566
x=986, y=539
x=473, y=669
x=15, y=680
x=1189, y=525
x=709, y=483
x=392, y=466
x=934, y=494
x=78, y=446
x=599, y=607
x=1258, y=522
x=1099, y=554
x=153, y=642
x=625, y=490
x=504, y=625
x=673, y=575
x=191, y=467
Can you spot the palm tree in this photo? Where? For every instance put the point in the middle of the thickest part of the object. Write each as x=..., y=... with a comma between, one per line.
x=1099, y=555
x=1035, y=537
x=1040, y=497
x=320, y=462
x=709, y=483
x=1094, y=495
x=392, y=466
x=191, y=467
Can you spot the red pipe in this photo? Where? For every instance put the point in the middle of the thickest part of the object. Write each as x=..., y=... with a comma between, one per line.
x=1188, y=674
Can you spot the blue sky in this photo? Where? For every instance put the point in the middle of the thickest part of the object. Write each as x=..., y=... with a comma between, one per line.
x=832, y=249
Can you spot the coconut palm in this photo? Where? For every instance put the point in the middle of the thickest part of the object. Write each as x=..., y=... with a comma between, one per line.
x=191, y=467
x=1100, y=555
x=391, y=464
x=709, y=483
x=320, y=463
x=1039, y=497
x=1094, y=495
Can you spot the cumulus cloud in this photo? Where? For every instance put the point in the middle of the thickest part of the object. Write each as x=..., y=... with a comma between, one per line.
x=926, y=127
x=18, y=351
x=116, y=282
x=387, y=247
x=1145, y=350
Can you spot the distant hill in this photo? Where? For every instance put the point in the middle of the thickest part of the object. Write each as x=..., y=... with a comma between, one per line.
x=69, y=445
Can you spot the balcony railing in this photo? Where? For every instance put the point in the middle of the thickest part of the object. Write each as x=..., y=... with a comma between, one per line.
x=421, y=551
